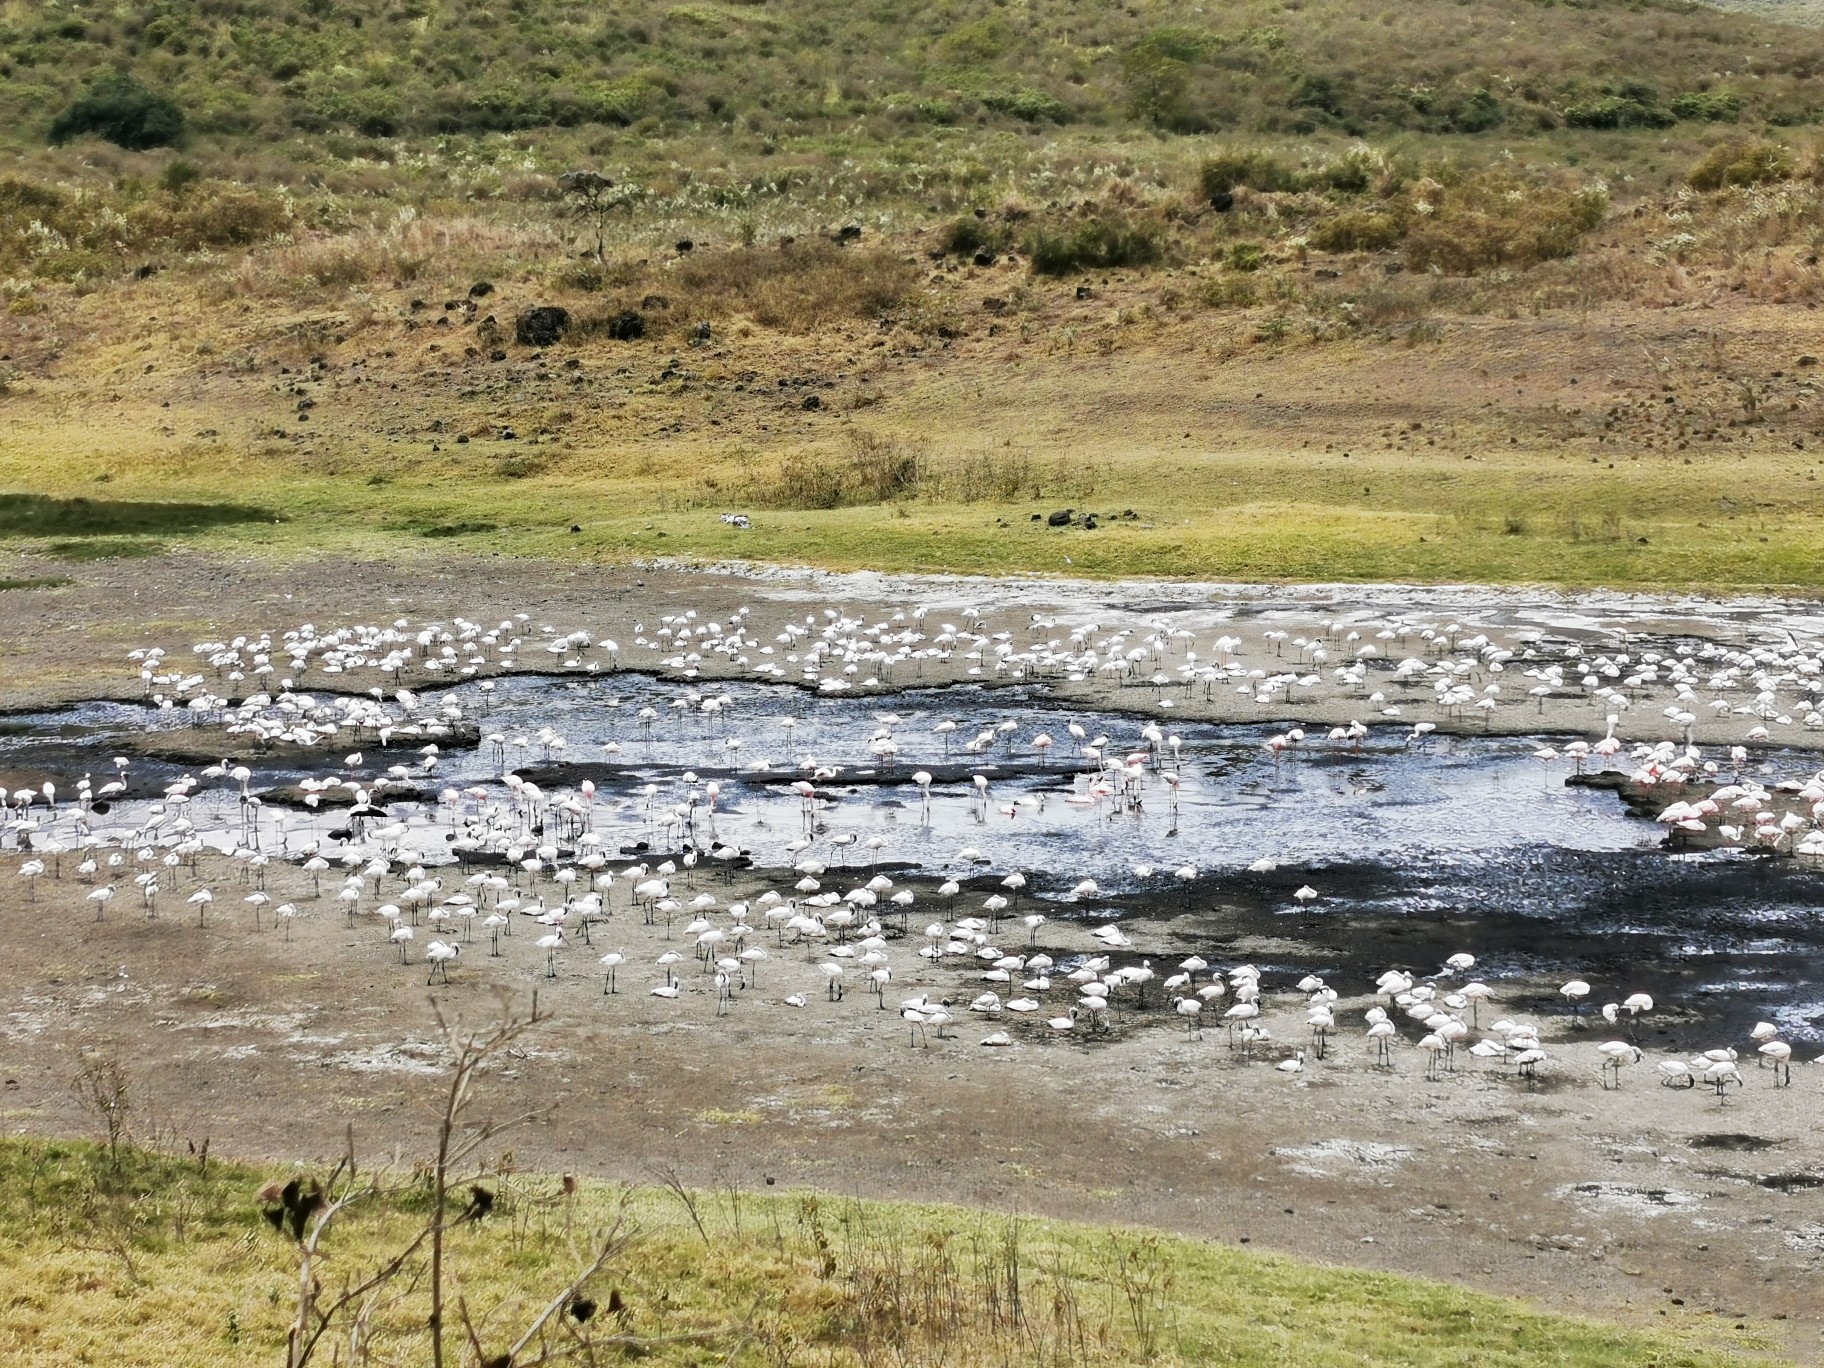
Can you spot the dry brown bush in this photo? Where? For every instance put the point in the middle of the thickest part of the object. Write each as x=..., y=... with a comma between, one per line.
x=871, y=468
x=799, y=288
x=1496, y=219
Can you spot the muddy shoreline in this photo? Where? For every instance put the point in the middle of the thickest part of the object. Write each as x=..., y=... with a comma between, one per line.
x=1650, y=1204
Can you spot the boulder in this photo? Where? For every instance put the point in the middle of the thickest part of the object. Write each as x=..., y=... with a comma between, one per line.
x=542, y=326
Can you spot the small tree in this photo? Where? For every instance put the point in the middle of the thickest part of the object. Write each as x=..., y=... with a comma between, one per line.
x=100, y=1086
x=117, y=107
x=590, y=195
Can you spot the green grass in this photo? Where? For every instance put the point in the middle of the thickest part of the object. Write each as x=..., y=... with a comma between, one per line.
x=103, y=548
x=35, y=582
x=38, y=515
x=1253, y=514
x=98, y=1258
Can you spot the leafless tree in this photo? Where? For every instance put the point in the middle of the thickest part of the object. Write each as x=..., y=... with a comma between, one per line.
x=305, y=1210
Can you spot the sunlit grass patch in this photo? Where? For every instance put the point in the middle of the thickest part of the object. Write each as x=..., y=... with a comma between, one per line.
x=101, y=1255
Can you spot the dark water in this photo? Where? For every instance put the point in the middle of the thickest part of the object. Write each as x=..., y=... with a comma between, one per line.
x=1417, y=852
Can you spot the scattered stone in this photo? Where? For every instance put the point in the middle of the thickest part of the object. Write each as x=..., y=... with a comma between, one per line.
x=1061, y=518
x=481, y=289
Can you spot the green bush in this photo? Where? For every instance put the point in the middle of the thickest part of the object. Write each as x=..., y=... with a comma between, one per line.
x=1633, y=105
x=1357, y=231
x=1103, y=243
x=1711, y=106
x=117, y=107
x=1350, y=174
x=1157, y=68
x=1739, y=162
x=1022, y=102
x=1228, y=292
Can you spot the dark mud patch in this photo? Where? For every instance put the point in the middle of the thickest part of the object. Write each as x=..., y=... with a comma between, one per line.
x=1736, y=1141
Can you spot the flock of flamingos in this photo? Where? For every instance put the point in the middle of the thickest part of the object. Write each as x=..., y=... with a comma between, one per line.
x=450, y=872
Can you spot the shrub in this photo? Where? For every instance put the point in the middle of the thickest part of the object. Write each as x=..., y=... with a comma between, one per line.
x=1102, y=243
x=179, y=176
x=797, y=289
x=1740, y=162
x=1357, y=231
x=1632, y=106
x=1023, y=102
x=223, y=216
x=1228, y=292
x=1245, y=256
x=117, y=107
x=967, y=236
x=1713, y=106
x=1497, y=220
x=1158, y=67
x=1352, y=173
x=976, y=43
x=1234, y=167
x=872, y=469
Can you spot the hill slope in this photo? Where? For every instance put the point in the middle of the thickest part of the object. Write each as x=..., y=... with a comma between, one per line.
x=256, y=69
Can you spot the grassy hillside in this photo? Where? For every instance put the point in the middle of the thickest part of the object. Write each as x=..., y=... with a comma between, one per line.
x=97, y=1253
x=893, y=281
x=259, y=69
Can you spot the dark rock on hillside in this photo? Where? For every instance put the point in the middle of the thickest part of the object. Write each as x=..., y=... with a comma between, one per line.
x=541, y=327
